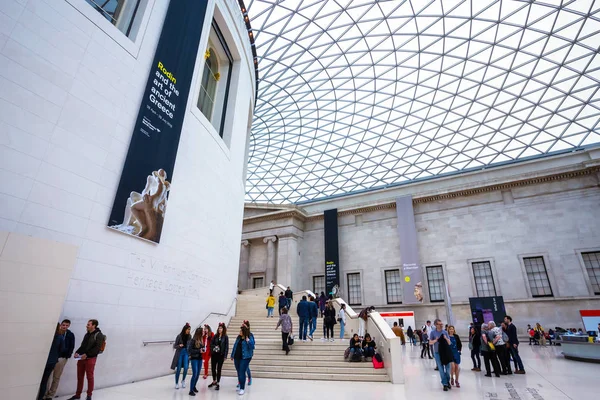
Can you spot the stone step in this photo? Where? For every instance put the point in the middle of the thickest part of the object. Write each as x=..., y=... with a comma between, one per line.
x=288, y=361
x=302, y=346
x=314, y=377
x=348, y=369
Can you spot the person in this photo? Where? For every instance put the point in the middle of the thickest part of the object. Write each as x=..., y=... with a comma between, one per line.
x=289, y=295
x=207, y=337
x=56, y=348
x=506, y=346
x=396, y=329
x=427, y=325
x=438, y=338
x=456, y=347
x=402, y=338
x=271, y=287
x=475, y=346
x=322, y=300
x=539, y=334
x=87, y=354
x=500, y=346
x=342, y=319
x=355, y=346
x=313, y=313
x=285, y=321
x=181, y=357
x=550, y=336
x=362, y=321
x=195, y=347
x=243, y=350
x=513, y=339
x=282, y=302
x=489, y=355
x=270, y=305
x=329, y=321
x=63, y=357
x=302, y=310
x=369, y=346
x=410, y=335
x=531, y=334
x=246, y=323
x=219, y=351
x=425, y=349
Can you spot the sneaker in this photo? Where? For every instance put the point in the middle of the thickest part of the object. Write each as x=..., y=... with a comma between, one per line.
x=305, y=340
x=323, y=339
x=191, y=393
x=311, y=338
x=445, y=388
x=195, y=390
x=217, y=387
x=183, y=384
x=250, y=382
x=212, y=384
x=332, y=340
x=176, y=387
x=241, y=392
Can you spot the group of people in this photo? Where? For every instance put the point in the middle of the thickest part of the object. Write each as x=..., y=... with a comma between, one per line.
x=309, y=309
x=61, y=350
x=361, y=348
x=497, y=344
x=204, y=346
x=284, y=300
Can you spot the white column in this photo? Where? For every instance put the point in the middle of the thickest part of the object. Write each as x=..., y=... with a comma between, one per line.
x=271, y=273
x=244, y=274
x=287, y=261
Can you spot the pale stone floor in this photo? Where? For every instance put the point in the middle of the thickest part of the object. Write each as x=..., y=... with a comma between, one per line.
x=549, y=377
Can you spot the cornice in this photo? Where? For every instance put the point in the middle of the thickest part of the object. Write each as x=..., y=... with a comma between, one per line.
x=299, y=215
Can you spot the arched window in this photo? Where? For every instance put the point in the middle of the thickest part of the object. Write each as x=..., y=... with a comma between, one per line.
x=210, y=77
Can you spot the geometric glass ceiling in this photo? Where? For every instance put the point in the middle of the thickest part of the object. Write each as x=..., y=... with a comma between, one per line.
x=360, y=94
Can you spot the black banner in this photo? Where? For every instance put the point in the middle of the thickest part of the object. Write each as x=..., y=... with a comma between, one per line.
x=332, y=259
x=486, y=309
x=141, y=199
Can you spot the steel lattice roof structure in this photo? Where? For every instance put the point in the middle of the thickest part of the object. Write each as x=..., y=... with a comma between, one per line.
x=362, y=94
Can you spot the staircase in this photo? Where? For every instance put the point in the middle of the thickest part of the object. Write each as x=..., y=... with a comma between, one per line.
x=315, y=360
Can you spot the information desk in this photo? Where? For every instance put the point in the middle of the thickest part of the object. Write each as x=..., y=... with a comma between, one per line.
x=580, y=349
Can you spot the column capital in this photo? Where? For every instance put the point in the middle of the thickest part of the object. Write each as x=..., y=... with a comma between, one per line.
x=245, y=243
x=268, y=239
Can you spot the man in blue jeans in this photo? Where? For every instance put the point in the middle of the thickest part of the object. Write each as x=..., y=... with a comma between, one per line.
x=513, y=340
x=302, y=309
x=313, y=311
x=435, y=336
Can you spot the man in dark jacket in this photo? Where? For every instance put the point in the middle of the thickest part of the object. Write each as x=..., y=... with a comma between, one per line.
x=282, y=302
x=63, y=357
x=313, y=311
x=303, y=311
x=289, y=295
x=511, y=332
x=87, y=353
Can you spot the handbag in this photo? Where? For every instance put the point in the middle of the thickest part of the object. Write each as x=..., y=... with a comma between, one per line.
x=492, y=347
x=290, y=340
x=377, y=361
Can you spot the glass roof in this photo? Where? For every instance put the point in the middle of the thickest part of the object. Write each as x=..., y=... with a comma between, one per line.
x=361, y=94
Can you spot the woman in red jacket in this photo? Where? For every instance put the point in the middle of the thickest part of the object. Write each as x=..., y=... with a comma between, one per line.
x=207, y=337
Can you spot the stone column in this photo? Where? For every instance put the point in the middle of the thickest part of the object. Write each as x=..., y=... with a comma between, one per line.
x=271, y=273
x=244, y=275
x=287, y=261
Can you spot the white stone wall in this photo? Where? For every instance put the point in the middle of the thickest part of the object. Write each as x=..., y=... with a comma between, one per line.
x=71, y=89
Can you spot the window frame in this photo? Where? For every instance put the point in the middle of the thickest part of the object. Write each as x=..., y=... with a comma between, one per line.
x=443, y=268
x=385, y=283
x=254, y=277
x=550, y=276
x=313, y=283
x=493, y=274
x=347, y=285
x=586, y=276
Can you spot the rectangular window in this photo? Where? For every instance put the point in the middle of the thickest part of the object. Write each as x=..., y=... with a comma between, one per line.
x=318, y=284
x=592, y=265
x=435, y=281
x=257, y=283
x=484, y=280
x=537, y=276
x=354, y=295
x=393, y=286
x=216, y=78
x=120, y=13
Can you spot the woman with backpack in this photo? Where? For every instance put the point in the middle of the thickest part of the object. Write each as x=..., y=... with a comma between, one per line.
x=207, y=337
x=219, y=350
x=285, y=321
x=195, y=349
x=329, y=321
x=181, y=358
x=243, y=350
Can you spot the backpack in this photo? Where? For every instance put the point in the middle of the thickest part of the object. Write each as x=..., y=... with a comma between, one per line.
x=356, y=357
x=347, y=353
x=103, y=343
x=377, y=361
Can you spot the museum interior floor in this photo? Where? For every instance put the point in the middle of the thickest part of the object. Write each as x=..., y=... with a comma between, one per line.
x=549, y=377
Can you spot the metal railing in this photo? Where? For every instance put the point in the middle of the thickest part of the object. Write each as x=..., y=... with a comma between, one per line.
x=147, y=342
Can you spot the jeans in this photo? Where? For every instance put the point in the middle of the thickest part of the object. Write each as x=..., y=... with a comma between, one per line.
x=444, y=370
x=369, y=352
x=182, y=363
x=514, y=351
x=342, y=327
x=303, y=328
x=475, y=358
x=216, y=366
x=356, y=350
x=284, y=340
x=85, y=368
x=270, y=311
x=45, y=376
x=196, y=364
x=289, y=304
x=241, y=365
x=312, y=326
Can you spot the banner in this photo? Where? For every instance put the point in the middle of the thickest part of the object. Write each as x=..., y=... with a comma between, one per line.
x=486, y=309
x=332, y=262
x=141, y=200
x=412, y=286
